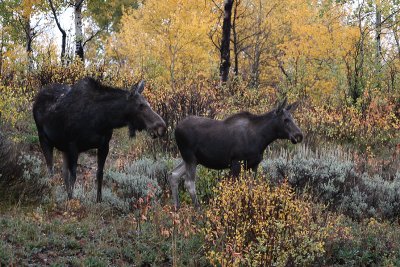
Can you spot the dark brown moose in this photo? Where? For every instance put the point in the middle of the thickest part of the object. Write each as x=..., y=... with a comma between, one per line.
x=223, y=144
x=80, y=117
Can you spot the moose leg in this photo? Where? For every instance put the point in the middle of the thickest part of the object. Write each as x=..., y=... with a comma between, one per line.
x=71, y=160
x=47, y=150
x=190, y=183
x=66, y=174
x=176, y=174
x=255, y=164
x=235, y=168
x=254, y=169
x=102, y=153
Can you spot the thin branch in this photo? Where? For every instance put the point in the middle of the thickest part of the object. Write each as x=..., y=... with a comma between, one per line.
x=390, y=16
x=219, y=8
x=212, y=33
x=55, y=17
x=63, y=33
x=93, y=36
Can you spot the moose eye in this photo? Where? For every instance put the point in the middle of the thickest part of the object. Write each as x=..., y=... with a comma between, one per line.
x=286, y=121
x=142, y=106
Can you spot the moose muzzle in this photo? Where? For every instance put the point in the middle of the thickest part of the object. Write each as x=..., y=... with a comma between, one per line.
x=158, y=130
x=296, y=138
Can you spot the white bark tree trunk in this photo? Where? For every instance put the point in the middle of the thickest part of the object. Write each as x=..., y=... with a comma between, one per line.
x=378, y=33
x=78, y=29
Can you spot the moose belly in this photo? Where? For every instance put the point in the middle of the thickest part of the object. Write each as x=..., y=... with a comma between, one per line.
x=80, y=141
x=217, y=160
x=90, y=143
x=252, y=161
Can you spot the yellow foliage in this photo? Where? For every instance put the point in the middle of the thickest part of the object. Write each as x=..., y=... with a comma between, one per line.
x=250, y=223
x=315, y=48
x=166, y=40
x=28, y=7
x=298, y=45
x=14, y=58
x=14, y=102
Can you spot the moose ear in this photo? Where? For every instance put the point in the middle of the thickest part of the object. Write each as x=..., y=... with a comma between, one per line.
x=281, y=106
x=140, y=87
x=292, y=107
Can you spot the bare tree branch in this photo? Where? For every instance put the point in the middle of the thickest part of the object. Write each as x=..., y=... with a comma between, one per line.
x=64, y=34
x=91, y=37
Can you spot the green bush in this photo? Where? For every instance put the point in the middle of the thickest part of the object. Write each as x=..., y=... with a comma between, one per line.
x=169, y=238
x=9, y=169
x=21, y=175
x=206, y=182
x=369, y=243
x=5, y=254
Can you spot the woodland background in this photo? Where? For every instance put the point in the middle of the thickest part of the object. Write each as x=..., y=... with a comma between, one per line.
x=333, y=200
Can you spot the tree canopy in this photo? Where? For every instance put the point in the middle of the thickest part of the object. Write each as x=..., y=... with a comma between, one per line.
x=322, y=50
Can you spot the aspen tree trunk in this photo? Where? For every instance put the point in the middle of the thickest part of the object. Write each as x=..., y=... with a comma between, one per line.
x=78, y=29
x=1, y=54
x=396, y=38
x=29, y=39
x=378, y=32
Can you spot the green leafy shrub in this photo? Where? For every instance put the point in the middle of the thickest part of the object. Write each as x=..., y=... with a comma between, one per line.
x=250, y=223
x=21, y=175
x=9, y=168
x=369, y=243
x=332, y=178
x=161, y=237
x=5, y=254
x=206, y=182
x=170, y=238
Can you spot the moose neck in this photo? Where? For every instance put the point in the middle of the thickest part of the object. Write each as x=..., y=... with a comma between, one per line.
x=114, y=113
x=268, y=128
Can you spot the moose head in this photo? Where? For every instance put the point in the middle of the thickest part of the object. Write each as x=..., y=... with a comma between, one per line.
x=286, y=126
x=141, y=116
